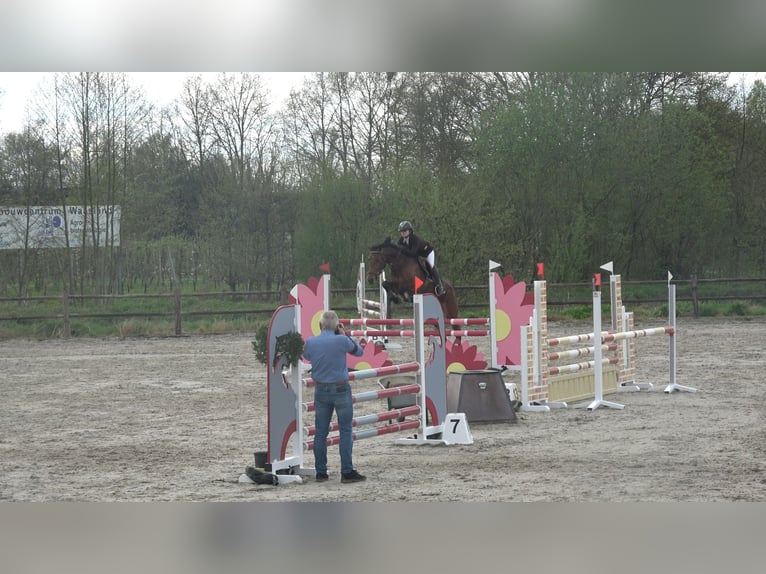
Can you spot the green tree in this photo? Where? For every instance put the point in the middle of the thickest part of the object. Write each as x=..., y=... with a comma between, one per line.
x=332, y=227
x=748, y=224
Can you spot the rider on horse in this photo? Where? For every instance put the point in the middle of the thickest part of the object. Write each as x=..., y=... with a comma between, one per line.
x=417, y=247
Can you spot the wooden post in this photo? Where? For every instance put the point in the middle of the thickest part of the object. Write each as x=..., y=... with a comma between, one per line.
x=695, y=301
x=67, y=324
x=177, y=298
x=283, y=295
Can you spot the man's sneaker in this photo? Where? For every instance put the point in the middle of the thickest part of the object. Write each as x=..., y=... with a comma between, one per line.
x=352, y=476
x=321, y=477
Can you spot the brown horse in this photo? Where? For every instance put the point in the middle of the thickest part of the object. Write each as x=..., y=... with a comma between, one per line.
x=404, y=268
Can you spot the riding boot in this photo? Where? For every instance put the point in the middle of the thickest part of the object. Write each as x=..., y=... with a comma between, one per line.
x=438, y=287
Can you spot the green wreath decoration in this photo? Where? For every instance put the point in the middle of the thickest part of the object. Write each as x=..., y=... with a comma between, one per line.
x=289, y=346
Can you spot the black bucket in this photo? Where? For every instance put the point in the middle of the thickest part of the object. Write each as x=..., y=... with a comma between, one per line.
x=261, y=460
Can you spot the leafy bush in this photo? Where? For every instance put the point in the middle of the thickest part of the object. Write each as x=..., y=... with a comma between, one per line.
x=738, y=308
x=709, y=310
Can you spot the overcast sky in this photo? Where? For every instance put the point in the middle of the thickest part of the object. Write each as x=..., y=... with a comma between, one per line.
x=17, y=88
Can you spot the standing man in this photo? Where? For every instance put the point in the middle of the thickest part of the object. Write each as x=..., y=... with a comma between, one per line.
x=332, y=392
x=418, y=247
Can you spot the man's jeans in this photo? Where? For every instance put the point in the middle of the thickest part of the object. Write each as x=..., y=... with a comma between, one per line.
x=329, y=397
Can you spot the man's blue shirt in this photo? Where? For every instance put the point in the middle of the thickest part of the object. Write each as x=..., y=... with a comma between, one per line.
x=327, y=353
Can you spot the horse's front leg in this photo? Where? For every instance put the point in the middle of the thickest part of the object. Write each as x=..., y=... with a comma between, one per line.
x=392, y=292
x=406, y=294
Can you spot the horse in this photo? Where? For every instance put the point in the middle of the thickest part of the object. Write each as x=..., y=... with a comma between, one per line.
x=403, y=270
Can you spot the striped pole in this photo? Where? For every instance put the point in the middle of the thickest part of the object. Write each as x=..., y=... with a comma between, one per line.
x=372, y=307
x=369, y=419
x=377, y=322
x=411, y=367
x=467, y=321
x=411, y=333
x=455, y=322
x=575, y=367
x=369, y=433
x=638, y=333
x=574, y=353
x=374, y=395
x=607, y=336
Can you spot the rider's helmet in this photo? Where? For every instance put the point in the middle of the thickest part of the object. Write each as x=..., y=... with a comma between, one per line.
x=404, y=226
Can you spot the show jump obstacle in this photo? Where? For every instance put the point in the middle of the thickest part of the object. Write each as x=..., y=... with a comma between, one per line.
x=507, y=308
x=518, y=333
x=289, y=438
x=544, y=381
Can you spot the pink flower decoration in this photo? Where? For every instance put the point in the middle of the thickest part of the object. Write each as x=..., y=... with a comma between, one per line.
x=374, y=356
x=464, y=357
x=311, y=299
x=513, y=308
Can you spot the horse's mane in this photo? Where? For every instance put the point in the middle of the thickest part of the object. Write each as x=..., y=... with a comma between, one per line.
x=386, y=244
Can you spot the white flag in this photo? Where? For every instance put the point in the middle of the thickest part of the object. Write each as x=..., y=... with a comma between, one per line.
x=493, y=265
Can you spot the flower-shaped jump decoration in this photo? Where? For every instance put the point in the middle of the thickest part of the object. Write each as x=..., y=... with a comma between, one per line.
x=374, y=356
x=464, y=357
x=311, y=299
x=512, y=310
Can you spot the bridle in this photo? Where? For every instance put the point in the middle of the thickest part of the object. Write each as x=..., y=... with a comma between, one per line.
x=372, y=275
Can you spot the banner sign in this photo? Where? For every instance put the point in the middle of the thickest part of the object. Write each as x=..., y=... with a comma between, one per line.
x=45, y=227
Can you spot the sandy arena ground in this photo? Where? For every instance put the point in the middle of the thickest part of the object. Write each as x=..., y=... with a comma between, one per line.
x=180, y=418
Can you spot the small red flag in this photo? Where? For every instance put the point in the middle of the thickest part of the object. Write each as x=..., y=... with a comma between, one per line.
x=418, y=283
x=597, y=278
x=325, y=267
x=541, y=270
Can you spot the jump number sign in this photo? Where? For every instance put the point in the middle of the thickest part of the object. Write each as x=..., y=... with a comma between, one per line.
x=455, y=432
